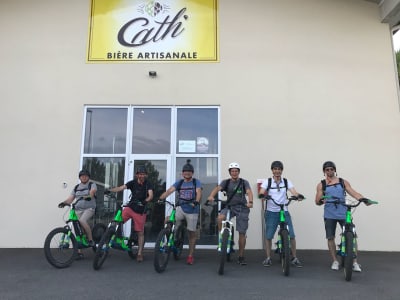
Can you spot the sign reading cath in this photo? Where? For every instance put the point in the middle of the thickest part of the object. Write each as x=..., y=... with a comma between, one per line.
x=153, y=31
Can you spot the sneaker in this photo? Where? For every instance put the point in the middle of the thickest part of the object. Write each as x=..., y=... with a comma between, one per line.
x=189, y=260
x=79, y=256
x=335, y=265
x=139, y=258
x=91, y=244
x=267, y=262
x=296, y=262
x=241, y=261
x=356, y=267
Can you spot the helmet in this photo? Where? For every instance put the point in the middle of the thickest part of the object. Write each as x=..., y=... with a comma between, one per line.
x=233, y=165
x=188, y=167
x=277, y=164
x=141, y=169
x=83, y=172
x=328, y=164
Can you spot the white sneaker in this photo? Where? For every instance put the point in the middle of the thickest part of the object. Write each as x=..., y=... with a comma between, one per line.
x=356, y=267
x=335, y=265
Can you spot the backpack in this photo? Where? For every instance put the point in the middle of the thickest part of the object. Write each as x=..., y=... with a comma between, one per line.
x=341, y=181
x=88, y=188
x=285, y=182
x=179, y=187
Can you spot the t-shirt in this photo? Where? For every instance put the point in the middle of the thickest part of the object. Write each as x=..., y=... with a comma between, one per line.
x=187, y=194
x=332, y=210
x=239, y=198
x=139, y=193
x=278, y=192
x=83, y=191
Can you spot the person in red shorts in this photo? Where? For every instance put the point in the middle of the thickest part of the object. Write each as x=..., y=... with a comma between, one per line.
x=141, y=194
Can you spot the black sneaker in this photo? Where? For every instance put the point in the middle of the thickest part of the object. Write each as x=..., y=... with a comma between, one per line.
x=296, y=262
x=79, y=256
x=241, y=261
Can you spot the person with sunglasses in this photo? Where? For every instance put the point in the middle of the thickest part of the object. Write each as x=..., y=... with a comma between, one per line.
x=333, y=213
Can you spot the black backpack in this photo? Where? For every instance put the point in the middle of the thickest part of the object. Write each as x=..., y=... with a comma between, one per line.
x=341, y=181
x=285, y=182
x=88, y=188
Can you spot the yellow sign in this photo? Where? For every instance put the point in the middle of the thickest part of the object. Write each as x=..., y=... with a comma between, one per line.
x=153, y=31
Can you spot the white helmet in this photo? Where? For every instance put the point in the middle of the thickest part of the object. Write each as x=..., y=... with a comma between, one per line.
x=233, y=165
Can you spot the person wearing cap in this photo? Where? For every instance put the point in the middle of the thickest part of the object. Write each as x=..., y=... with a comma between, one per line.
x=141, y=194
x=240, y=197
x=85, y=210
x=334, y=214
x=278, y=189
x=188, y=200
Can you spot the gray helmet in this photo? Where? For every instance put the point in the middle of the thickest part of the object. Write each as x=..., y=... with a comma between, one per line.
x=328, y=164
x=277, y=164
x=188, y=167
x=141, y=169
x=84, y=172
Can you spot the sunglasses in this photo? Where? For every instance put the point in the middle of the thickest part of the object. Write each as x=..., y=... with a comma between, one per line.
x=329, y=169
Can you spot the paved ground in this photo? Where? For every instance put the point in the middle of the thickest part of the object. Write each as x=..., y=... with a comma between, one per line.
x=25, y=274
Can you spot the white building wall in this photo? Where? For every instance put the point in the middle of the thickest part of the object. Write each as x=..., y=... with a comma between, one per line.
x=302, y=81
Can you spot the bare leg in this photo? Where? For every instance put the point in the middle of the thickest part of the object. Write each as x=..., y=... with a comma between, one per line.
x=332, y=249
x=268, y=246
x=293, y=247
x=192, y=242
x=141, y=242
x=242, y=244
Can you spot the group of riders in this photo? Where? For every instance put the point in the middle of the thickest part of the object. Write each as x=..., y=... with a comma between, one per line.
x=240, y=197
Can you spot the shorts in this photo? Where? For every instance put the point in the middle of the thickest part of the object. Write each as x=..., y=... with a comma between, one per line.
x=330, y=227
x=85, y=215
x=191, y=219
x=138, y=219
x=272, y=222
x=242, y=217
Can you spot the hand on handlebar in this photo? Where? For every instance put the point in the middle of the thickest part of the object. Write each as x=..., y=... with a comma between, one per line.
x=210, y=199
x=300, y=197
x=367, y=201
x=62, y=205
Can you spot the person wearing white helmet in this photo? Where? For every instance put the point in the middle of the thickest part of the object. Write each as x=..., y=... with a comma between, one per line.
x=240, y=197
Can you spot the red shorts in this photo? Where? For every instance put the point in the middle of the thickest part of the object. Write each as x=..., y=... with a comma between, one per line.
x=138, y=219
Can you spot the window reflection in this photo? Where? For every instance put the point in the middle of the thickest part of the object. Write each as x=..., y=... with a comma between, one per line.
x=105, y=130
x=197, y=130
x=151, y=131
x=105, y=172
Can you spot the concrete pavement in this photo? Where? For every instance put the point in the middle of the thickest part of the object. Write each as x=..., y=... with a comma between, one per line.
x=25, y=274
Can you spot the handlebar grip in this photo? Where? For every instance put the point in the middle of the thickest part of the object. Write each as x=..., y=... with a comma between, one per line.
x=368, y=201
